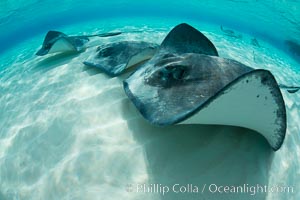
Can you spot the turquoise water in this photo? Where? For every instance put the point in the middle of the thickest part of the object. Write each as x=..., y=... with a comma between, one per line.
x=69, y=132
x=275, y=21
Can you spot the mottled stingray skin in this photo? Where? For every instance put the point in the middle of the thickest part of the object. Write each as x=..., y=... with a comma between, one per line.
x=170, y=87
x=164, y=71
x=176, y=85
x=114, y=58
x=75, y=43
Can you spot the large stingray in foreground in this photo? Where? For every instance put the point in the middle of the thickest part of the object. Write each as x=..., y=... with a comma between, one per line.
x=180, y=85
x=56, y=41
x=115, y=58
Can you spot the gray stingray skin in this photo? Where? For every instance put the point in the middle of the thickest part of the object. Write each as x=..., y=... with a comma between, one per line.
x=186, y=39
x=114, y=58
x=77, y=42
x=174, y=69
x=177, y=83
x=170, y=87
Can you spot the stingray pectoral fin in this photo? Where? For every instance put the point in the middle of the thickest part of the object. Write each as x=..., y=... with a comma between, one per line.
x=41, y=52
x=52, y=35
x=50, y=39
x=89, y=63
x=141, y=56
x=184, y=38
x=117, y=70
x=251, y=101
x=62, y=45
x=106, y=68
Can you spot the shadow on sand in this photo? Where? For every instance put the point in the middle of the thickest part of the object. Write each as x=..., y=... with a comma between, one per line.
x=203, y=154
x=55, y=61
x=91, y=70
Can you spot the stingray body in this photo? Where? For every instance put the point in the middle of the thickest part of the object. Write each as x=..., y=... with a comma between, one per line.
x=254, y=42
x=180, y=85
x=227, y=31
x=230, y=33
x=58, y=42
x=115, y=58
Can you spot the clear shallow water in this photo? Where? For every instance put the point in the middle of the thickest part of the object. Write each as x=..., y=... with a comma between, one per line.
x=273, y=20
x=69, y=132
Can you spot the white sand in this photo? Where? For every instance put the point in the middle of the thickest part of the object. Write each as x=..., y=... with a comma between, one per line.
x=69, y=132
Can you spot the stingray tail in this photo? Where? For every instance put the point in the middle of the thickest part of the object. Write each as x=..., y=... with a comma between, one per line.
x=290, y=89
x=224, y=30
x=104, y=34
x=109, y=34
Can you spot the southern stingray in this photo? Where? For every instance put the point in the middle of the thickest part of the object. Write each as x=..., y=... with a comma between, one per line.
x=56, y=41
x=187, y=83
x=254, y=42
x=115, y=58
x=230, y=33
x=290, y=89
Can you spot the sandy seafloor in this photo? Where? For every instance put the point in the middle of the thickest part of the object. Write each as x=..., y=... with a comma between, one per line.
x=68, y=131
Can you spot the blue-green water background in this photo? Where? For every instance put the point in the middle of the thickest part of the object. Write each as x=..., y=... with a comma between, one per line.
x=52, y=141
x=273, y=20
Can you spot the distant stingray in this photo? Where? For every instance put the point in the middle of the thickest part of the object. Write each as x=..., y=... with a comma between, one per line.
x=290, y=89
x=254, y=42
x=115, y=58
x=294, y=48
x=230, y=33
x=185, y=82
x=56, y=41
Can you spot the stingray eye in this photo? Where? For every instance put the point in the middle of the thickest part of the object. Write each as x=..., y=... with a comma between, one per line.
x=177, y=72
x=47, y=46
x=105, y=52
x=164, y=74
x=168, y=55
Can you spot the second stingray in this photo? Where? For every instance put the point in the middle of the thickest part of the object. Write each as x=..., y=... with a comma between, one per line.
x=115, y=58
